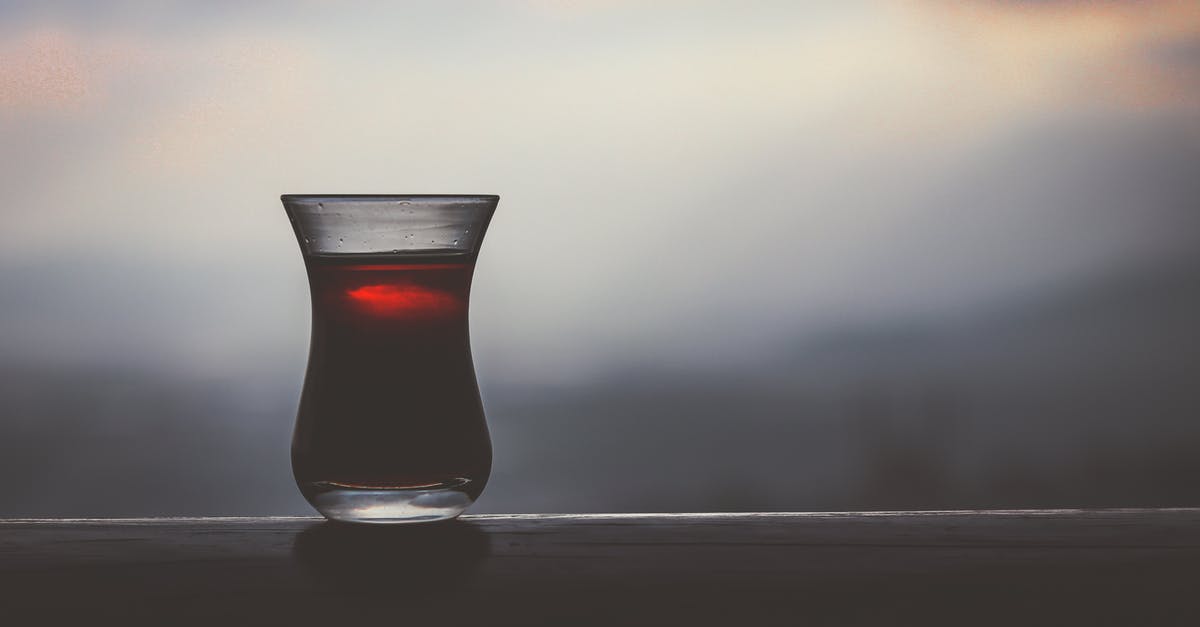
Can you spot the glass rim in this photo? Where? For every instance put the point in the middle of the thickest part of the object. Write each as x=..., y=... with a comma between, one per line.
x=351, y=197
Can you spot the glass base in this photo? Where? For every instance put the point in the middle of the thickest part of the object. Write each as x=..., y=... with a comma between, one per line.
x=388, y=505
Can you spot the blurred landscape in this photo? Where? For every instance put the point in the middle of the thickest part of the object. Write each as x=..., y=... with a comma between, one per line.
x=793, y=256
x=1053, y=403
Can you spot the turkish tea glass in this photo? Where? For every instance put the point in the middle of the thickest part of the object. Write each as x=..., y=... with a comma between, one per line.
x=391, y=427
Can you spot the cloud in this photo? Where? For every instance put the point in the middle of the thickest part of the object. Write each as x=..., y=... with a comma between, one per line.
x=1107, y=52
x=791, y=158
x=52, y=70
x=236, y=89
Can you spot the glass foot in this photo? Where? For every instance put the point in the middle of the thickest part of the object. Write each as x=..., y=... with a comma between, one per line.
x=388, y=505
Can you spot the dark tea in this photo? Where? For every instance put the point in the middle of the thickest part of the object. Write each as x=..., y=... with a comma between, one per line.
x=391, y=401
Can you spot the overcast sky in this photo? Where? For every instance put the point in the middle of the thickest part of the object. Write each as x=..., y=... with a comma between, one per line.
x=680, y=182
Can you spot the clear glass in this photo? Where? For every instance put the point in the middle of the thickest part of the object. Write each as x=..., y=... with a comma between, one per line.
x=391, y=427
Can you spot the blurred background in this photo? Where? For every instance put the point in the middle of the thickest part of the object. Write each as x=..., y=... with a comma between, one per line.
x=764, y=255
